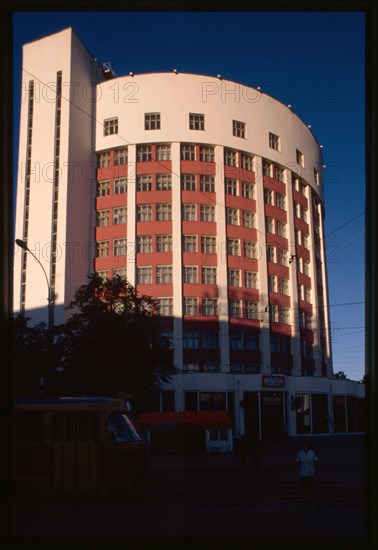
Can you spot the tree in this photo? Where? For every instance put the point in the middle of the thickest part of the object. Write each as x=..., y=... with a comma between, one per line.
x=340, y=375
x=112, y=343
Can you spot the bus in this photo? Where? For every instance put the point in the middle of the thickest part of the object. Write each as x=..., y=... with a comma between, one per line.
x=76, y=444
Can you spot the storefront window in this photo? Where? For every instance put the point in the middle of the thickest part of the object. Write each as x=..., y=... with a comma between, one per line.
x=212, y=401
x=303, y=409
x=320, y=423
x=339, y=419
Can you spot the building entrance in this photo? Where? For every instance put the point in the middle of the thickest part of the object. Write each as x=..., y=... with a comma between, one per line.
x=272, y=416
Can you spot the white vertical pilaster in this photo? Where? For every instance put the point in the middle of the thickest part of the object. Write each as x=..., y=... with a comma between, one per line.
x=131, y=215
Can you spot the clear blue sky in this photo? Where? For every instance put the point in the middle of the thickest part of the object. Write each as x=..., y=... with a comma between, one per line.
x=314, y=61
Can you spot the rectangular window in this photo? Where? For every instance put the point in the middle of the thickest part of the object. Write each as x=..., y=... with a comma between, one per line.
x=164, y=306
x=110, y=126
x=120, y=186
x=268, y=196
x=163, y=182
x=103, y=274
x=252, y=369
x=189, y=212
x=250, y=249
x=252, y=341
x=305, y=240
x=233, y=247
x=164, y=274
x=280, y=201
x=236, y=368
x=196, y=121
x=163, y=243
x=207, y=154
x=163, y=152
x=248, y=190
x=190, y=243
x=207, y=184
x=250, y=279
x=163, y=212
x=274, y=141
x=188, y=152
x=190, y=306
x=271, y=253
x=252, y=310
x=210, y=340
x=238, y=128
x=208, y=245
x=235, y=340
x=210, y=367
x=303, y=188
x=120, y=156
x=304, y=216
x=248, y=219
x=119, y=272
x=316, y=176
x=234, y=278
x=102, y=218
x=230, y=157
x=102, y=249
x=152, y=121
x=144, y=275
x=300, y=158
x=207, y=213
x=274, y=313
x=269, y=225
x=278, y=173
x=191, y=397
x=144, y=213
x=209, y=306
x=190, y=340
x=272, y=283
x=144, y=183
x=144, y=153
x=103, y=188
x=144, y=244
x=281, y=229
x=284, y=287
x=232, y=216
x=235, y=308
x=209, y=275
x=307, y=295
x=120, y=215
x=188, y=182
x=306, y=268
x=267, y=168
x=231, y=187
x=103, y=160
x=119, y=247
x=246, y=162
x=190, y=274
x=284, y=316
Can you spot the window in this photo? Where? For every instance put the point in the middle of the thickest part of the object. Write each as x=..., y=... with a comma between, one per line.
x=207, y=154
x=235, y=340
x=120, y=156
x=283, y=257
x=248, y=190
x=144, y=153
x=252, y=341
x=188, y=182
x=144, y=244
x=236, y=368
x=297, y=236
x=272, y=283
x=120, y=215
x=304, y=216
x=284, y=316
x=278, y=173
x=210, y=367
x=144, y=183
x=306, y=268
x=274, y=141
x=248, y=219
x=164, y=274
x=103, y=274
x=209, y=275
x=234, y=278
x=190, y=274
x=247, y=161
x=120, y=186
x=102, y=218
x=190, y=306
x=238, y=129
x=163, y=212
x=316, y=176
x=103, y=188
x=207, y=184
x=163, y=243
x=233, y=247
x=302, y=188
x=250, y=250
x=230, y=157
x=267, y=168
x=231, y=187
x=210, y=340
x=163, y=152
x=252, y=369
x=144, y=212
x=209, y=306
x=235, y=308
x=269, y=225
x=163, y=182
x=152, y=121
x=196, y=121
x=271, y=253
x=144, y=275
x=300, y=158
x=190, y=243
x=232, y=216
x=284, y=286
x=307, y=295
x=207, y=213
x=281, y=229
x=252, y=310
x=274, y=313
x=110, y=126
x=102, y=249
x=119, y=247
x=190, y=340
x=189, y=212
x=119, y=272
x=164, y=306
x=305, y=240
x=188, y=152
x=208, y=245
x=191, y=397
x=268, y=196
x=280, y=201
x=250, y=279
x=103, y=160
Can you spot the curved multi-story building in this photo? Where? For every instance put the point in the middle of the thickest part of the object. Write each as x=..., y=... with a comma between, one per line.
x=208, y=196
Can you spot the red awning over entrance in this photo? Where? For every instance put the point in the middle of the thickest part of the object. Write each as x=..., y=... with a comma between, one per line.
x=188, y=419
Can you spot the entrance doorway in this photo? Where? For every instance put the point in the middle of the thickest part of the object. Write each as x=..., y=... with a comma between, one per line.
x=272, y=416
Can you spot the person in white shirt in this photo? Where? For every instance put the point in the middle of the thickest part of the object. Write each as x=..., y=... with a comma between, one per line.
x=306, y=459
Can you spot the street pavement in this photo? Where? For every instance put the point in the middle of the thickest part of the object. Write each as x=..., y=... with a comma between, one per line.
x=207, y=496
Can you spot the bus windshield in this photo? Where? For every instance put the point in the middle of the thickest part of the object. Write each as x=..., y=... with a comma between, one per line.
x=120, y=428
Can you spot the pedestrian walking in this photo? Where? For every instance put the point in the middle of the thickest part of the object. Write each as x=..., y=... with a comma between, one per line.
x=306, y=459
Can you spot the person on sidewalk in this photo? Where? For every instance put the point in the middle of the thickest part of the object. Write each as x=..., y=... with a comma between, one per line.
x=306, y=459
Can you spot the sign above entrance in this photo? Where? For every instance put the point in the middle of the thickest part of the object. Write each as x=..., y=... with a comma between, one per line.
x=272, y=381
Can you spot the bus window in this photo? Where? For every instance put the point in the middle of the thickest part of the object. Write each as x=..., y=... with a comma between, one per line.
x=120, y=429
